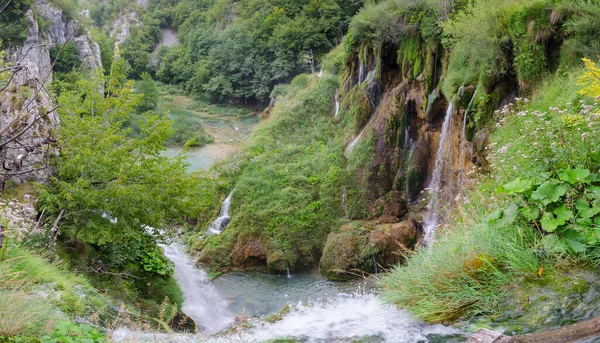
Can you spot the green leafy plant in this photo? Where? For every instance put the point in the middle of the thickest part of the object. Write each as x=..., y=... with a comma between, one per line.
x=69, y=332
x=565, y=206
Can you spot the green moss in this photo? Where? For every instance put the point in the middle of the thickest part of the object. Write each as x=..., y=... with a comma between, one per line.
x=409, y=57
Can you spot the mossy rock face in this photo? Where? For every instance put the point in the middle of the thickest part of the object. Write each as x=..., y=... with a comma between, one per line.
x=357, y=249
x=248, y=254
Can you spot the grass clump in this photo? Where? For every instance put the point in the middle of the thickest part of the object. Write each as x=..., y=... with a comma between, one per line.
x=466, y=273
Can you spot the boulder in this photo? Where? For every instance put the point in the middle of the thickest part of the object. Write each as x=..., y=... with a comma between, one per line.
x=357, y=249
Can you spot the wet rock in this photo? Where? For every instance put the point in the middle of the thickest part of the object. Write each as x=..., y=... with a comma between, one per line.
x=249, y=254
x=394, y=240
x=389, y=208
x=359, y=248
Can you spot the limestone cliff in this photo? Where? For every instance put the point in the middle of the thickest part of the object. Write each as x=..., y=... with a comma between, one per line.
x=27, y=118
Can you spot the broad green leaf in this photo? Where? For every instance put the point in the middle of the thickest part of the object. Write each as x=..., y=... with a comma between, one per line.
x=594, y=190
x=549, y=222
x=517, y=186
x=574, y=176
x=584, y=209
x=594, y=177
x=552, y=220
x=553, y=243
x=585, y=222
x=563, y=213
x=595, y=155
x=576, y=246
x=494, y=216
x=549, y=192
x=530, y=213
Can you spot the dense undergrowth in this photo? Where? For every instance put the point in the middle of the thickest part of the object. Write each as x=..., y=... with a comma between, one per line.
x=286, y=181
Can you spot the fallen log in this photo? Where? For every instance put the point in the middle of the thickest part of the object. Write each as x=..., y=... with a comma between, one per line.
x=567, y=334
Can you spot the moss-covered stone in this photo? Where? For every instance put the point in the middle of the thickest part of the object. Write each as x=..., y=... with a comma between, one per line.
x=357, y=249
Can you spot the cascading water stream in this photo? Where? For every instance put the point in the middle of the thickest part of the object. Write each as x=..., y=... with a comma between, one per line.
x=362, y=68
x=431, y=99
x=337, y=102
x=435, y=190
x=202, y=301
x=344, y=202
x=219, y=224
x=463, y=140
x=356, y=139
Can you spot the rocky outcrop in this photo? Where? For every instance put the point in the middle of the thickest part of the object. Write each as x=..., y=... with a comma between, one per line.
x=88, y=52
x=61, y=31
x=28, y=121
x=363, y=248
x=249, y=254
x=122, y=27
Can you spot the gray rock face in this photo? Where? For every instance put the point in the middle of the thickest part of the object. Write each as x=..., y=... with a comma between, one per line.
x=89, y=53
x=122, y=26
x=27, y=120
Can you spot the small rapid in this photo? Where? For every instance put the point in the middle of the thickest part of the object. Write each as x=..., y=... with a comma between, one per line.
x=219, y=224
x=202, y=301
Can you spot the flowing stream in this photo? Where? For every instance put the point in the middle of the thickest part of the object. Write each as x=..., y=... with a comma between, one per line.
x=305, y=307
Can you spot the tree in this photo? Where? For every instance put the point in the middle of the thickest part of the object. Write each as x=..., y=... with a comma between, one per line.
x=148, y=91
x=111, y=190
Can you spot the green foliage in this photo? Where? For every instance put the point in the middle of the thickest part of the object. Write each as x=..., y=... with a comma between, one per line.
x=14, y=22
x=65, y=57
x=148, y=90
x=69, y=332
x=491, y=40
x=572, y=222
x=115, y=190
x=239, y=52
x=289, y=179
x=466, y=273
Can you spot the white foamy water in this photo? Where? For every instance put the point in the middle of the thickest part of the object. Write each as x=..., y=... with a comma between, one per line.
x=344, y=318
x=202, y=301
x=219, y=224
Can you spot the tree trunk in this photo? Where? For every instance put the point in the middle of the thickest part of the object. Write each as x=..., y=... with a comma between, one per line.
x=54, y=230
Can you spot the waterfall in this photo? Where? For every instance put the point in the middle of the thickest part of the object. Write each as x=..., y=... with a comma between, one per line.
x=362, y=68
x=287, y=266
x=320, y=73
x=431, y=99
x=344, y=202
x=337, y=102
x=443, y=153
x=202, y=302
x=356, y=139
x=219, y=224
x=463, y=140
